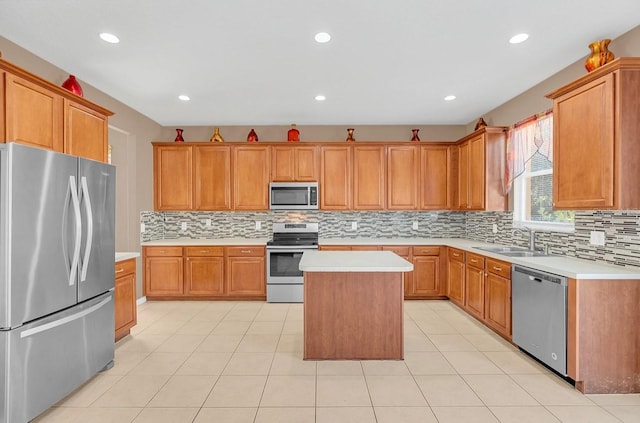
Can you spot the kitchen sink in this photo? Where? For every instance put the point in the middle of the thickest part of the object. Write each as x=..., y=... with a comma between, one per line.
x=513, y=251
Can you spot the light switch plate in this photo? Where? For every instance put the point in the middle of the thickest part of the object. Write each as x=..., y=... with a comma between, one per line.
x=414, y=225
x=258, y=224
x=183, y=226
x=495, y=228
x=142, y=228
x=354, y=226
x=597, y=238
x=207, y=223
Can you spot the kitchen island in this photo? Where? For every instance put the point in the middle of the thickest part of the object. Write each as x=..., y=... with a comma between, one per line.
x=353, y=305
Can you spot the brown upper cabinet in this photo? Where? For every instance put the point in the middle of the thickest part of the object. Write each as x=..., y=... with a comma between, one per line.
x=435, y=177
x=480, y=158
x=403, y=170
x=294, y=163
x=36, y=112
x=595, y=139
x=369, y=177
x=172, y=177
x=251, y=177
x=335, y=177
x=212, y=177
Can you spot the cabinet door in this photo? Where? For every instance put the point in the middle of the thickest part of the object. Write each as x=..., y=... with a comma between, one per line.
x=402, y=177
x=583, y=146
x=33, y=114
x=251, y=177
x=246, y=276
x=172, y=176
x=283, y=164
x=476, y=175
x=474, y=298
x=306, y=164
x=335, y=177
x=85, y=132
x=463, y=176
x=426, y=275
x=454, y=169
x=125, y=304
x=498, y=303
x=456, y=281
x=212, y=177
x=204, y=276
x=163, y=276
x=368, y=177
x=434, y=178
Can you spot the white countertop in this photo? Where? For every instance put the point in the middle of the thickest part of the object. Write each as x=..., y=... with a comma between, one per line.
x=206, y=241
x=560, y=265
x=353, y=261
x=121, y=256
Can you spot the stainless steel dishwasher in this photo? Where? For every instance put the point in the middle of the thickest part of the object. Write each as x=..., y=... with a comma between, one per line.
x=539, y=313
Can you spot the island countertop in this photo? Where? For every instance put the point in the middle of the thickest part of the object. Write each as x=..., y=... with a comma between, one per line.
x=353, y=261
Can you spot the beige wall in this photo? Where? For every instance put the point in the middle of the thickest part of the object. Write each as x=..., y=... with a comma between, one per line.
x=533, y=101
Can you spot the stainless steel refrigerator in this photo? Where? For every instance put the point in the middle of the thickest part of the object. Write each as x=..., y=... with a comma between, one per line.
x=57, y=251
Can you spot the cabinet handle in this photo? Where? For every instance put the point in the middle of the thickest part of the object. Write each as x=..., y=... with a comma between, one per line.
x=245, y=251
x=497, y=268
x=456, y=255
x=474, y=261
x=119, y=270
x=204, y=251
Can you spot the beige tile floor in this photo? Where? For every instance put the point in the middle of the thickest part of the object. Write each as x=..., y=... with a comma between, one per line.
x=241, y=362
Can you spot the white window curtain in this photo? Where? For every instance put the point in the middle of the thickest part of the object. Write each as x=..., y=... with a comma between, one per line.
x=524, y=140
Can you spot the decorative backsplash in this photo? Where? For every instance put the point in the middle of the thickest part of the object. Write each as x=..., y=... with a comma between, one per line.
x=622, y=228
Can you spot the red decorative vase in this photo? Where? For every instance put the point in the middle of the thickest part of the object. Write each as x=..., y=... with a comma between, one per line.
x=414, y=135
x=179, y=135
x=293, y=135
x=73, y=85
x=252, y=137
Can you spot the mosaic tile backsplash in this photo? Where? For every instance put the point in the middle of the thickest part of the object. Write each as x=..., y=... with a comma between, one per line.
x=622, y=229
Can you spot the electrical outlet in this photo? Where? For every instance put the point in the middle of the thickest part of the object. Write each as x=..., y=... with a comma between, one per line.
x=597, y=238
x=258, y=225
x=207, y=223
x=183, y=226
x=414, y=225
x=495, y=228
x=142, y=228
x=354, y=226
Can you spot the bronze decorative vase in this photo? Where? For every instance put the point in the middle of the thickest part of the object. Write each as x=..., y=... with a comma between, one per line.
x=350, y=135
x=599, y=56
x=216, y=137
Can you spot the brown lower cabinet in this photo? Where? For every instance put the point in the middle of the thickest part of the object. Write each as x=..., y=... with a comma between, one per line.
x=125, y=307
x=204, y=272
x=482, y=287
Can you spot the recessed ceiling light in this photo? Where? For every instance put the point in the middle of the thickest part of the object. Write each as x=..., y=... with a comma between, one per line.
x=450, y=98
x=518, y=38
x=320, y=97
x=184, y=97
x=110, y=38
x=322, y=37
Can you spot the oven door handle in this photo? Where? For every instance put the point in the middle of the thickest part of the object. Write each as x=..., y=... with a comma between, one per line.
x=289, y=248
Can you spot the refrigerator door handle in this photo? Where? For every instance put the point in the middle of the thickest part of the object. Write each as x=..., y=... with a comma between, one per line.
x=87, y=249
x=64, y=320
x=76, y=248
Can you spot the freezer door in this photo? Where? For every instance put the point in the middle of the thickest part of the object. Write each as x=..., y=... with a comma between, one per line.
x=47, y=359
x=97, y=205
x=39, y=232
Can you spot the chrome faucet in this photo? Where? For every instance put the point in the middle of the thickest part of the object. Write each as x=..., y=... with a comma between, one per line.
x=532, y=236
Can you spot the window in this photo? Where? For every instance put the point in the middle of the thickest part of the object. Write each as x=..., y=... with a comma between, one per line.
x=530, y=154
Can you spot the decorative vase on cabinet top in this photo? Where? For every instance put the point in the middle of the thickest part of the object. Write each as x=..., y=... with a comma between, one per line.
x=414, y=135
x=179, y=135
x=73, y=85
x=293, y=135
x=216, y=137
x=350, y=135
x=599, y=56
x=252, y=137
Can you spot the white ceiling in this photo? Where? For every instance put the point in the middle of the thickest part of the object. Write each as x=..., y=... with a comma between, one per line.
x=255, y=62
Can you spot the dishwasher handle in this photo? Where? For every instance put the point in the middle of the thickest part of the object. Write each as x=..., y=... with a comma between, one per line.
x=539, y=276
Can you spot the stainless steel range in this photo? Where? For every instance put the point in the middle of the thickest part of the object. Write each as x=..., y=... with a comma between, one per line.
x=285, y=282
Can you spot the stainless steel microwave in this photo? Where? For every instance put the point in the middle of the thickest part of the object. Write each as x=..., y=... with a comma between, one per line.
x=293, y=196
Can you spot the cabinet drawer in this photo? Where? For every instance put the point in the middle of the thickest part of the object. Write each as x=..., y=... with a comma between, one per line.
x=499, y=268
x=475, y=260
x=248, y=251
x=455, y=254
x=204, y=251
x=163, y=251
x=398, y=249
x=426, y=251
x=125, y=267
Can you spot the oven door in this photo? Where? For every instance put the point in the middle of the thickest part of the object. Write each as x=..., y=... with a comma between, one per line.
x=283, y=264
